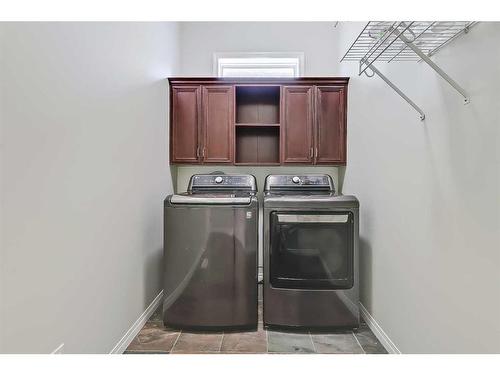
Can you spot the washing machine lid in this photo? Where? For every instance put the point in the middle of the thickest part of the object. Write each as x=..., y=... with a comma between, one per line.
x=211, y=199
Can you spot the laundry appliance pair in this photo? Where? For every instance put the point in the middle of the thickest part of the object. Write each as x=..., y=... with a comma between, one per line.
x=310, y=248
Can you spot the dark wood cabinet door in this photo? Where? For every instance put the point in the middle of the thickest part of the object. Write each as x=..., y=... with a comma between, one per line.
x=297, y=124
x=185, y=127
x=218, y=124
x=330, y=125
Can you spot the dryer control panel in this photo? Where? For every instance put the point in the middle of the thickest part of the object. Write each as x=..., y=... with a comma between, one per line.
x=302, y=182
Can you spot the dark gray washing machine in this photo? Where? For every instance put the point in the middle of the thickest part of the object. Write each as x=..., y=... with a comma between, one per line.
x=310, y=253
x=210, y=254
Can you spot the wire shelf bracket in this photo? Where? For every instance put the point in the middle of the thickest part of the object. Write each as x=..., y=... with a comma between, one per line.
x=389, y=41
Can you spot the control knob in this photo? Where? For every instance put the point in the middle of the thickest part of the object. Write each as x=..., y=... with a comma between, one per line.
x=218, y=180
x=295, y=179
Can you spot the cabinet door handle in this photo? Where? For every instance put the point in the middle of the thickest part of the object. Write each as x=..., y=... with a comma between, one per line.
x=203, y=152
x=316, y=152
x=311, y=153
x=197, y=152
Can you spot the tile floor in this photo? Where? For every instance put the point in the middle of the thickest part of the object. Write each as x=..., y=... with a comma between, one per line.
x=155, y=338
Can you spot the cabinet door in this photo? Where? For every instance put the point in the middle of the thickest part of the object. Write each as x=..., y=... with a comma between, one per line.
x=218, y=124
x=185, y=125
x=330, y=134
x=297, y=124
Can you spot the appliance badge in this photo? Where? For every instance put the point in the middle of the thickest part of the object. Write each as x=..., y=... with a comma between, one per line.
x=249, y=214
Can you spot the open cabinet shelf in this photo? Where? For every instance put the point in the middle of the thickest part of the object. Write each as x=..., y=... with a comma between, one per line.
x=257, y=125
x=257, y=145
x=257, y=104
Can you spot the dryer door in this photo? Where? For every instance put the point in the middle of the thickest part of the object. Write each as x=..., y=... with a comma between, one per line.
x=312, y=250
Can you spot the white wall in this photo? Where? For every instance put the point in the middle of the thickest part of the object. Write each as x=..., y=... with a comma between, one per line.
x=430, y=196
x=199, y=41
x=84, y=171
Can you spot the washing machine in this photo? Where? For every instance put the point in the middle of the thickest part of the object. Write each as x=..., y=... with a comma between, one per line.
x=210, y=254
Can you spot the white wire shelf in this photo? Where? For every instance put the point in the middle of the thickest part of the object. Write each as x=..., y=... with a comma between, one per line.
x=405, y=41
x=379, y=40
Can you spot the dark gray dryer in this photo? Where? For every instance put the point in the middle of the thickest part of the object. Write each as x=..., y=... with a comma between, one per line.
x=210, y=254
x=310, y=253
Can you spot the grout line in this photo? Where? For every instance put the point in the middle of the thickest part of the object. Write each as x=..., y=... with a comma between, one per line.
x=221, y=340
x=361, y=346
x=312, y=342
x=175, y=342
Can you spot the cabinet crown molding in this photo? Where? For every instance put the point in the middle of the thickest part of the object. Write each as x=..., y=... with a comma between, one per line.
x=260, y=81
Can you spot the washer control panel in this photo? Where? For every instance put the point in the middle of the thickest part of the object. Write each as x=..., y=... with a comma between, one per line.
x=222, y=181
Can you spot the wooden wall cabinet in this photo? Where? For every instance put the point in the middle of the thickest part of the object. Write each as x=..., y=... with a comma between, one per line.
x=297, y=134
x=185, y=124
x=217, y=124
x=202, y=127
x=250, y=121
x=314, y=126
x=330, y=125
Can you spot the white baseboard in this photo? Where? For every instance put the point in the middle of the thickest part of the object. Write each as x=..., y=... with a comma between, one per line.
x=124, y=342
x=384, y=339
